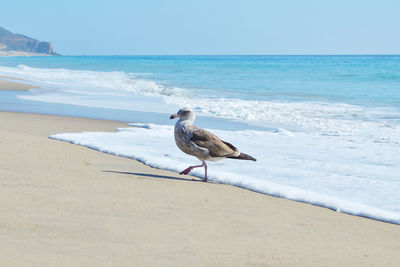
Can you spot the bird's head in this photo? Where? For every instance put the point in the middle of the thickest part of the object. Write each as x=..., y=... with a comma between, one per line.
x=184, y=114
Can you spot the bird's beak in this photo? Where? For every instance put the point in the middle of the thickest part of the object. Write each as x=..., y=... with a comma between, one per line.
x=173, y=116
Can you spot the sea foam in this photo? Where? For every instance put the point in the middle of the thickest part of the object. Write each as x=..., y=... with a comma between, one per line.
x=130, y=91
x=329, y=171
x=80, y=81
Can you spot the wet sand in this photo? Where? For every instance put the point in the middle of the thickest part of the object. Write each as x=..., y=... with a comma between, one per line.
x=11, y=85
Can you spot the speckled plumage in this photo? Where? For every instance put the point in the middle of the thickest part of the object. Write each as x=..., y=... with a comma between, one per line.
x=201, y=143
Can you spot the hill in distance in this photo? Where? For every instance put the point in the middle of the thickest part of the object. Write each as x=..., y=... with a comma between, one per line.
x=18, y=44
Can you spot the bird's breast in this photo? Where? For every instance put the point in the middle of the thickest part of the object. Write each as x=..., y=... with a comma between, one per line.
x=182, y=140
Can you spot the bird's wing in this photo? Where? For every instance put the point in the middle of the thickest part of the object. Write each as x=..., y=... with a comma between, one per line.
x=216, y=147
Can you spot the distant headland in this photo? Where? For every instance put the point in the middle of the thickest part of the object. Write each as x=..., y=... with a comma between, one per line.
x=12, y=44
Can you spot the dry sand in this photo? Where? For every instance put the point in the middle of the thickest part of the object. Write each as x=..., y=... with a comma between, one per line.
x=62, y=204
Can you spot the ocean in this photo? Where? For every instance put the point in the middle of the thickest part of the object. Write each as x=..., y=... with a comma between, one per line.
x=325, y=129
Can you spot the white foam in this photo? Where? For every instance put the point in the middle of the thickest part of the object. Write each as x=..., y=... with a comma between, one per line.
x=119, y=90
x=113, y=90
x=82, y=81
x=324, y=118
x=359, y=178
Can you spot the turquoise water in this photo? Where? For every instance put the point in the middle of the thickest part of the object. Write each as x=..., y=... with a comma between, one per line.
x=362, y=80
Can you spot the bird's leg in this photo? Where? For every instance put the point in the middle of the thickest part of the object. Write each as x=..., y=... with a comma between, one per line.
x=205, y=172
x=186, y=171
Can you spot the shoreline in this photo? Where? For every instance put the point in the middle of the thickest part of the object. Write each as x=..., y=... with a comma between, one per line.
x=15, y=85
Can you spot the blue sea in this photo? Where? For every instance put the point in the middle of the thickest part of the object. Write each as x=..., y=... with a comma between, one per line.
x=325, y=129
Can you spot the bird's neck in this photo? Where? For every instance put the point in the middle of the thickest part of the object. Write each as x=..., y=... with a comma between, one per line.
x=185, y=122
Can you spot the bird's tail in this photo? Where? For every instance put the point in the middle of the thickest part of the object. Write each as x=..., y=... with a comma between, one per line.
x=243, y=156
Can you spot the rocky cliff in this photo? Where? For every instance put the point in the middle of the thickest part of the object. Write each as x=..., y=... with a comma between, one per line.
x=20, y=43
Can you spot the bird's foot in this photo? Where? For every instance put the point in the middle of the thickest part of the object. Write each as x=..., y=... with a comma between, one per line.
x=186, y=171
x=202, y=180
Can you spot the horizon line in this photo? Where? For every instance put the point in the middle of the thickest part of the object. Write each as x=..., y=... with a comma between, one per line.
x=231, y=54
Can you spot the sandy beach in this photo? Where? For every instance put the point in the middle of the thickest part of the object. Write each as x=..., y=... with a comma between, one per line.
x=64, y=204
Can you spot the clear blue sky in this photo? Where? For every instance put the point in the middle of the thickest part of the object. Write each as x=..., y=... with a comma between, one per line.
x=209, y=26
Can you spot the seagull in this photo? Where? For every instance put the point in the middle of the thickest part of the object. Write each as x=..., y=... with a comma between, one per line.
x=201, y=143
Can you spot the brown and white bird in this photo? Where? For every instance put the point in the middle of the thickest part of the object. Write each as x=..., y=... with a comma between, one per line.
x=201, y=143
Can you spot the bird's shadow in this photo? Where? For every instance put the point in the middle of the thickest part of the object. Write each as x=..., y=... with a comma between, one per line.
x=154, y=176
